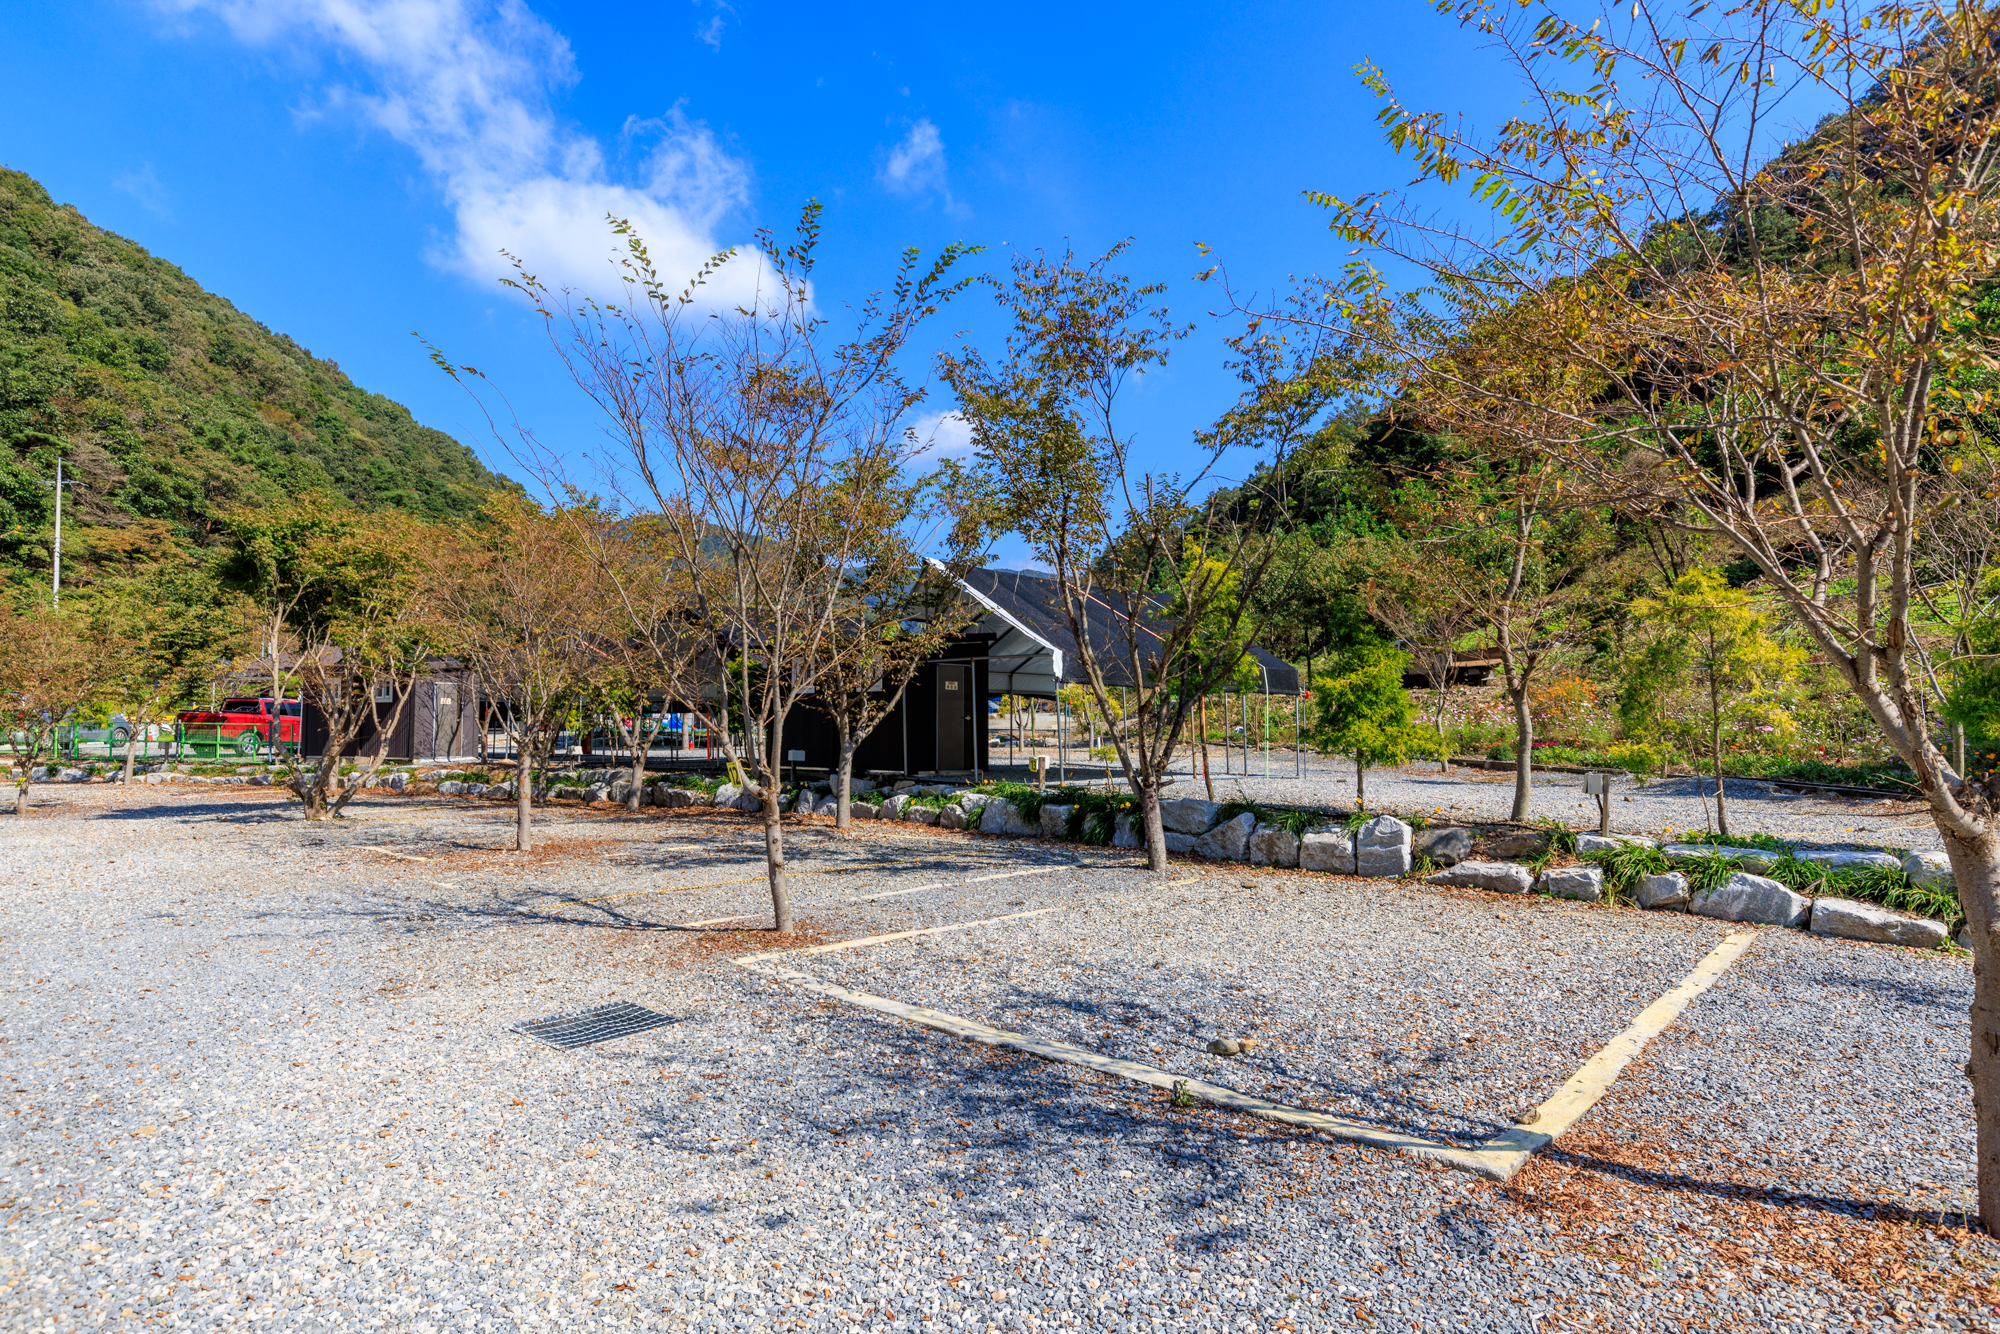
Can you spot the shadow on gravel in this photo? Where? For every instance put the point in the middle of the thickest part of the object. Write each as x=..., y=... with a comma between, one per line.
x=1953, y=999
x=257, y=813
x=1777, y=1198
x=1395, y=1106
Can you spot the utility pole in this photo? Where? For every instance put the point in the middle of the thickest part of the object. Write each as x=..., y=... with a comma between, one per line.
x=55, y=580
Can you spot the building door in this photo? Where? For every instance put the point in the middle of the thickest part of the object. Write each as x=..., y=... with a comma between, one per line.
x=444, y=720
x=954, y=715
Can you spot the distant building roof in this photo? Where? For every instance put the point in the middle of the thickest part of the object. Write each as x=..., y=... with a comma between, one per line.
x=1034, y=652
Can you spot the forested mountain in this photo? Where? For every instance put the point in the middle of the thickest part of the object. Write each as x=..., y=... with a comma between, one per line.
x=170, y=404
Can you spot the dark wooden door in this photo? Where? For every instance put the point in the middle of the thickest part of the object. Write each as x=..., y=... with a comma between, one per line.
x=954, y=715
x=445, y=721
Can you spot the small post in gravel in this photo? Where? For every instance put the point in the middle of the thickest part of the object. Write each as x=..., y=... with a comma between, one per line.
x=1599, y=786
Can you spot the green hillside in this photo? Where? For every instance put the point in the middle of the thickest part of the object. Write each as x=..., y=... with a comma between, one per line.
x=171, y=404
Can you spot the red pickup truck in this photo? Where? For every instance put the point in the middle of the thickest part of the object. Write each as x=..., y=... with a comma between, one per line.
x=246, y=725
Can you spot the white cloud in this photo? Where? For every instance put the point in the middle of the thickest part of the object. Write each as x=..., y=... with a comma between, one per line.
x=466, y=86
x=940, y=436
x=146, y=188
x=917, y=163
x=711, y=31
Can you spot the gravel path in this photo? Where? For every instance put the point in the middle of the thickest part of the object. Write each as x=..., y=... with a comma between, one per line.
x=262, y=1074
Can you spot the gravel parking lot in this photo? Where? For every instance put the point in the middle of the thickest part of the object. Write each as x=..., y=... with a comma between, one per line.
x=262, y=1073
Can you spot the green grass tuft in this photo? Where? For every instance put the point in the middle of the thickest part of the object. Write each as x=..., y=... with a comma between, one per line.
x=1625, y=866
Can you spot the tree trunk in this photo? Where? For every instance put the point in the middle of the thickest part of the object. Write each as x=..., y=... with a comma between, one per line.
x=1715, y=755
x=1156, y=832
x=1206, y=777
x=524, y=797
x=21, y=788
x=774, y=861
x=313, y=789
x=132, y=752
x=640, y=745
x=843, y=782
x=1975, y=869
x=1444, y=748
x=1524, y=753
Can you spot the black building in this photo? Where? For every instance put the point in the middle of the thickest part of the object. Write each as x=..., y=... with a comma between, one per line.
x=1020, y=644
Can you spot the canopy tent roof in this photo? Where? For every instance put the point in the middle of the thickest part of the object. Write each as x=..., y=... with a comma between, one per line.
x=1033, y=652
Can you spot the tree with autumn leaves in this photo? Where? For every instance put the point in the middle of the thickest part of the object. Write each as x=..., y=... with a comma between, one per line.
x=1781, y=354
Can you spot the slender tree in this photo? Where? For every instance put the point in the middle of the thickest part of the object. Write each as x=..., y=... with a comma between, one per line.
x=357, y=606
x=513, y=596
x=1361, y=710
x=1051, y=441
x=1712, y=637
x=52, y=663
x=745, y=429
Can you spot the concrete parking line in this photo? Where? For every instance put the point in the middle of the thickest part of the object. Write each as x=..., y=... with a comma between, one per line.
x=1497, y=1158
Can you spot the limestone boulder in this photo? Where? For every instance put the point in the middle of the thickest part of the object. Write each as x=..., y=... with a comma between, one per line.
x=1512, y=843
x=1849, y=860
x=1744, y=897
x=1054, y=822
x=1271, y=845
x=1181, y=843
x=453, y=787
x=621, y=790
x=921, y=814
x=470, y=789
x=396, y=782
x=1447, y=845
x=972, y=802
x=1382, y=847
x=864, y=810
x=1188, y=815
x=952, y=817
x=858, y=787
x=1001, y=816
x=1588, y=843
x=1582, y=883
x=725, y=796
x=1228, y=841
x=1327, y=849
x=1929, y=870
x=1668, y=890
x=1499, y=877
x=1851, y=919
x=1128, y=831
x=892, y=809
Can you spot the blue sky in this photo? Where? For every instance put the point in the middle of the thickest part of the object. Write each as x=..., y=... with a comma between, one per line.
x=344, y=170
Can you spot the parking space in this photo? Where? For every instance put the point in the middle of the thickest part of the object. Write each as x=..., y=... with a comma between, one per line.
x=265, y=1072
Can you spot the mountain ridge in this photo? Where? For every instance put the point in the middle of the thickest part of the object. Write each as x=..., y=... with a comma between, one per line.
x=169, y=404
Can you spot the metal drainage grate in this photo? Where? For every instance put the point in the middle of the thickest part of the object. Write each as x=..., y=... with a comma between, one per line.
x=601, y=1024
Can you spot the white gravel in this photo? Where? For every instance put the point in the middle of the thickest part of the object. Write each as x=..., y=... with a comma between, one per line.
x=262, y=1074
